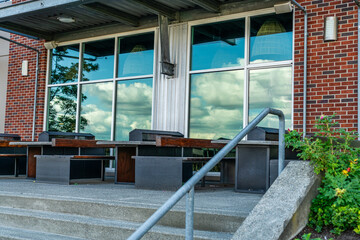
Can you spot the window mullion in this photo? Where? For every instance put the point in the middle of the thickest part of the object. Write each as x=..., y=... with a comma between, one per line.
x=78, y=104
x=113, y=117
x=246, y=72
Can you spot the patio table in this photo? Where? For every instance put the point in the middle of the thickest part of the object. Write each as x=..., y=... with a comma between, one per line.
x=124, y=162
x=32, y=149
x=252, y=164
x=59, y=146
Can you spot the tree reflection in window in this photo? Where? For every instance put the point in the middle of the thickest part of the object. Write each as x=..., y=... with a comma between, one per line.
x=65, y=64
x=62, y=109
x=63, y=99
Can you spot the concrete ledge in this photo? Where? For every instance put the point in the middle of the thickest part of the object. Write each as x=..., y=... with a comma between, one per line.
x=283, y=210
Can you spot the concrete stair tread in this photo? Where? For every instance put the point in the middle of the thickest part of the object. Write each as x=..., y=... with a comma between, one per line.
x=116, y=211
x=23, y=234
x=128, y=204
x=41, y=218
x=240, y=213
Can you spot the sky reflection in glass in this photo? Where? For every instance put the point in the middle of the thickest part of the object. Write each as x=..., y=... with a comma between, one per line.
x=98, y=60
x=65, y=64
x=216, y=104
x=270, y=88
x=62, y=108
x=136, y=55
x=218, y=45
x=133, y=106
x=96, y=108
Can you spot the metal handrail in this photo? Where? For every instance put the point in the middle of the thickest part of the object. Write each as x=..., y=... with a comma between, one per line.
x=188, y=187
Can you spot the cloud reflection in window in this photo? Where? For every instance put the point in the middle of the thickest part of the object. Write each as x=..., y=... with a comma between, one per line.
x=216, y=105
x=133, y=106
x=96, y=109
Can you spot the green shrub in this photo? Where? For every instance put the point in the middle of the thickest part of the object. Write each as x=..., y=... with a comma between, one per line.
x=331, y=153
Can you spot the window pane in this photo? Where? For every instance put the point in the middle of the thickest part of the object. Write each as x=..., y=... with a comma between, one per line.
x=98, y=60
x=62, y=108
x=270, y=88
x=65, y=64
x=271, y=38
x=216, y=104
x=136, y=55
x=218, y=45
x=133, y=106
x=96, y=108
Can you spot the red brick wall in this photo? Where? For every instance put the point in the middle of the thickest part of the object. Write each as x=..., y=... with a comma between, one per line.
x=332, y=66
x=20, y=89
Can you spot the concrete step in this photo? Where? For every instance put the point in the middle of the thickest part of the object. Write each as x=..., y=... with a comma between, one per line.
x=9, y=233
x=89, y=227
x=203, y=220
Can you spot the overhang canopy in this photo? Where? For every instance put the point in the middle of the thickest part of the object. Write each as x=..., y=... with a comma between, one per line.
x=40, y=18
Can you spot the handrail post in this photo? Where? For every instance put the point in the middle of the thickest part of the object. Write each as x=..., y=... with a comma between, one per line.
x=281, y=157
x=189, y=224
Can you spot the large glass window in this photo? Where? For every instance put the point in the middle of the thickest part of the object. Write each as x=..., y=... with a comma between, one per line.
x=230, y=84
x=62, y=108
x=136, y=55
x=270, y=88
x=85, y=103
x=271, y=38
x=98, y=60
x=65, y=64
x=218, y=45
x=133, y=106
x=96, y=105
x=216, y=102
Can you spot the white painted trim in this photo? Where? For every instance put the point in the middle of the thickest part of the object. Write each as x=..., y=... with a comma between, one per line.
x=187, y=75
x=155, y=80
x=96, y=81
x=103, y=37
x=188, y=79
x=78, y=100
x=47, y=80
x=270, y=64
x=101, y=81
x=246, y=73
x=217, y=70
x=113, y=106
x=62, y=84
x=135, y=77
x=232, y=16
